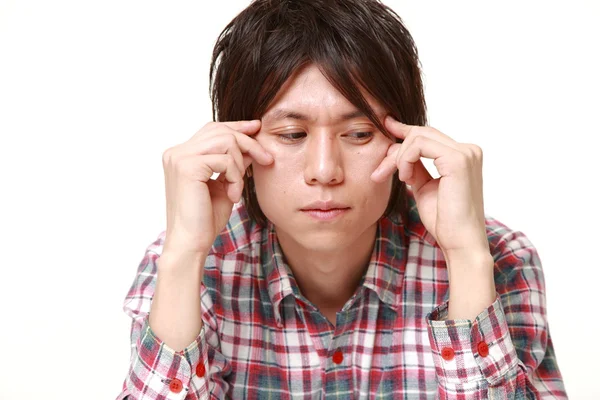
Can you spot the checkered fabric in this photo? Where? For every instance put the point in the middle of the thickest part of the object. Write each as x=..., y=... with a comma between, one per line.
x=262, y=339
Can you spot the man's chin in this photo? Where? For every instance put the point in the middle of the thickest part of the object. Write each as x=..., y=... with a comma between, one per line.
x=323, y=240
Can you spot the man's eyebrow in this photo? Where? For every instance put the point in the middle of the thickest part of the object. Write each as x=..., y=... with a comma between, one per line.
x=281, y=114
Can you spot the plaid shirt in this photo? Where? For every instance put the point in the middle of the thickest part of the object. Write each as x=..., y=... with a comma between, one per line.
x=263, y=339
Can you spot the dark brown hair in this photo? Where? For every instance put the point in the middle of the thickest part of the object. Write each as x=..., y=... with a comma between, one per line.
x=357, y=44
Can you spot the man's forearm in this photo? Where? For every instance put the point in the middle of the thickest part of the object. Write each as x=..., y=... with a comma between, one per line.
x=175, y=313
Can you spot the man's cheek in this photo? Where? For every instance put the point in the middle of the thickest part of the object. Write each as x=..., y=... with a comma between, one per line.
x=273, y=181
x=368, y=161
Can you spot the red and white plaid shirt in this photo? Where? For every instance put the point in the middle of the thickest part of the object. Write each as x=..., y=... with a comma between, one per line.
x=263, y=339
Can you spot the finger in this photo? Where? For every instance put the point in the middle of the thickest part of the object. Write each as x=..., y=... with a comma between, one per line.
x=420, y=132
x=238, y=158
x=219, y=143
x=225, y=165
x=387, y=166
x=397, y=128
x=251, y=146
x=246, y=144
x=394, y=148
x=213, y=128
x=247, y=161
x=409, y=132
x=421, y=147
x=247, y=127
x=420, y=176
x=225, y=140
x=234, y=191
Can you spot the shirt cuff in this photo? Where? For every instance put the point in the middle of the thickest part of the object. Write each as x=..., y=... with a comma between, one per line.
x=168, y=372
x=468, y=352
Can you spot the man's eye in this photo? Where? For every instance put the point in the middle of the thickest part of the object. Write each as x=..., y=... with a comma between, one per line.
x=292, y=137
x=361, y=135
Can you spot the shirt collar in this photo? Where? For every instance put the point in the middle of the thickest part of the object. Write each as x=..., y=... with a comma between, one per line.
x=280, y=280
x=385, y=272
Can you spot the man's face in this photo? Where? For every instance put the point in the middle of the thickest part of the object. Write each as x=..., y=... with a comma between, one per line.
x=318, y=191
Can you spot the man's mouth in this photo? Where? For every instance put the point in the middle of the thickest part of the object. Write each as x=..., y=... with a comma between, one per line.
x=325, y=206
x=325, y=210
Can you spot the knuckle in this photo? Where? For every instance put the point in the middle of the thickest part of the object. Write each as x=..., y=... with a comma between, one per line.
x=227, y=139
x=463, y=160
x=184, y=168
x=230, y=159
x=473, y=152
x=434, y=131
x=210, y=124
x=231, y=162
x=232, y=167
x=168, y=156
x=477, y=151
x=205, y=169
x=419, y=140
x=203, y=131
x=231, y=140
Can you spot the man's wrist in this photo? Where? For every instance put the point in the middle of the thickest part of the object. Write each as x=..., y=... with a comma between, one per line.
x=176, y=260
x=472, y=287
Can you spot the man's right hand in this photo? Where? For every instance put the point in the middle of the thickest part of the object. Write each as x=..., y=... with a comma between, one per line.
x=198, y=207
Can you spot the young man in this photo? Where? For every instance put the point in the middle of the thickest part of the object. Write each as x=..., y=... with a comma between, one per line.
x=308, y=269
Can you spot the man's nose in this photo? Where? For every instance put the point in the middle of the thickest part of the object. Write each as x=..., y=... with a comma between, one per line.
x=323, y=160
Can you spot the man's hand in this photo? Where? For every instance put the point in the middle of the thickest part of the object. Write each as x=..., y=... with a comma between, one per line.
x=450, y=207
x=198, y=207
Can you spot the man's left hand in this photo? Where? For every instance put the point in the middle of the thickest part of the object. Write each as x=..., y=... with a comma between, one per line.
x=451, y=206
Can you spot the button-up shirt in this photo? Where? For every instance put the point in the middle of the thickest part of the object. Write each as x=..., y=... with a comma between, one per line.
x=263, y=339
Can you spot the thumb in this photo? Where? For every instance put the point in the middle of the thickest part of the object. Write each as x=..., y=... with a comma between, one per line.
x=247, y=162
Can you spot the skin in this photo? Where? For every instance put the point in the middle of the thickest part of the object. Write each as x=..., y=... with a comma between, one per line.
x=323, y=157
x=451, y=209
x=329, y=159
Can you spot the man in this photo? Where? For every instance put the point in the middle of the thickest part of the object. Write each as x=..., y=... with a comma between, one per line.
x=308, y=269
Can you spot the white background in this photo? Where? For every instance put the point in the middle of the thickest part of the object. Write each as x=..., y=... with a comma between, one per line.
x=92, y=93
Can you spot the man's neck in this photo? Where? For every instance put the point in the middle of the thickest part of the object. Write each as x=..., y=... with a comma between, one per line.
x=329, y=279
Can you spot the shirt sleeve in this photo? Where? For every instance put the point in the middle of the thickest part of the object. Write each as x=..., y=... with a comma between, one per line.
x=507, y=351
x=157, y=371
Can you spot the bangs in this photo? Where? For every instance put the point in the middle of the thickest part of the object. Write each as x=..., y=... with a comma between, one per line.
x=361, y=47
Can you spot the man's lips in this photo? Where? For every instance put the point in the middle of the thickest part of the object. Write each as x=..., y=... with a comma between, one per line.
x=327, y=205
x=325, y=211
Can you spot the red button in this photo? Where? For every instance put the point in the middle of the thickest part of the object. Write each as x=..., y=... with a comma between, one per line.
x=176, y=385
x=483, y=349
x=200, y=370
x=447, y=353
x=338, y=357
